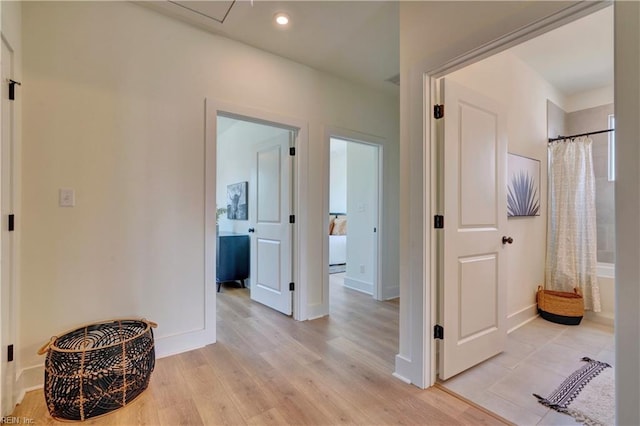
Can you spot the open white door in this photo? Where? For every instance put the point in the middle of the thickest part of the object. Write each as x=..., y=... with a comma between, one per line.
x=473, y=298
x=271, y=233
x=7, y=371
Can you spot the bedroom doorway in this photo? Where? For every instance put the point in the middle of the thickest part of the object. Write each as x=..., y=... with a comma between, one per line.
x=254, y=204
x=354, y=206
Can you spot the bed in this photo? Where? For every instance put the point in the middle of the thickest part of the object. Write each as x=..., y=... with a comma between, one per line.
x=337, y=238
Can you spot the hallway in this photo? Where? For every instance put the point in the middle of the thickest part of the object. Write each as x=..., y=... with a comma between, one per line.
x=269, y=369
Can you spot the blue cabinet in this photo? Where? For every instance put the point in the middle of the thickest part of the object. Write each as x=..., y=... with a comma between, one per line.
x=232, y=258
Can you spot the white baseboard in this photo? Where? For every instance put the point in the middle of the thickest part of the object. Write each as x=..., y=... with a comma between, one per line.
x=521, y=317
x=399, y=377
x=389, y=293
x=603, y=318
x=403, y=369
x=315, y=311
x=183, y=342
x=361, y=286
x=30, y=378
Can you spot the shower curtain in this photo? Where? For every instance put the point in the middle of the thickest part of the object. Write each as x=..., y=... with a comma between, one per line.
x=571, y=230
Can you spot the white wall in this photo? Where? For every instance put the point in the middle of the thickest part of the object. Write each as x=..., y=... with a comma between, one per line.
x=510, y=81
x=114, y=108
x=235, y=162
x=362, y=204
x=627, y=108
x=338, y=177
x=589, y=99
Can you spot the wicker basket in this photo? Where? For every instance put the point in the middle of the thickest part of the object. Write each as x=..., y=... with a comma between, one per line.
x=560, y=307
x=97, y=368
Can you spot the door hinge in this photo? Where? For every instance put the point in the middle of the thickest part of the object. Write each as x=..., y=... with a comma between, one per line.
x=9, y=353
x=12, y=88
x=438, y=332
x=292, y=218
x=438, y=221
x=438, y=111
x=11, y=223
x=292, y=150
x=292, y=286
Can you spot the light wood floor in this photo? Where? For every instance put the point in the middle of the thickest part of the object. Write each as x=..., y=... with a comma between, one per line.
x=269, y=369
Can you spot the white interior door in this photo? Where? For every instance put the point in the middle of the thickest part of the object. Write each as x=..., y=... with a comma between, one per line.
x=7, y=369
x=271, y=235
x=473, y=267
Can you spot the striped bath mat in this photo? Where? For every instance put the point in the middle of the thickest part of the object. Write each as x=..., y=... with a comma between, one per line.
x=587, y=395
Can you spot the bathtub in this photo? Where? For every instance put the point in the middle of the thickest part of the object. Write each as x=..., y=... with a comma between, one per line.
x=606, y=281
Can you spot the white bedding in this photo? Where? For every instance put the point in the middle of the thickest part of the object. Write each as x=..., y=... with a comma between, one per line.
x=337, y=249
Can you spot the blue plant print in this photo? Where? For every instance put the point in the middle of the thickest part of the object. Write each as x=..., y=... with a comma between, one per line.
x=522, y=196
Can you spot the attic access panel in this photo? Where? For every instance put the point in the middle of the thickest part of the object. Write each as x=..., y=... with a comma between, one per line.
x=214, y=10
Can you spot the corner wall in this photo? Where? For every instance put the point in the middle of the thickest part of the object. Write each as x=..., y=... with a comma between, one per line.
x=627, y=108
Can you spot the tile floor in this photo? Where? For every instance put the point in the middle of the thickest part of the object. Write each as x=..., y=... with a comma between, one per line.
x=538, y=357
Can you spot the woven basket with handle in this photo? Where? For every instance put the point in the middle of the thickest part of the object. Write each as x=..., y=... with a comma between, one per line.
x=560, y=307
x=97, y=368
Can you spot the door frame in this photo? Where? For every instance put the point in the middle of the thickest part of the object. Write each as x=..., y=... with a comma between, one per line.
x=416, y=362
x=10, y=384
x=372, y=141
x=213, y=108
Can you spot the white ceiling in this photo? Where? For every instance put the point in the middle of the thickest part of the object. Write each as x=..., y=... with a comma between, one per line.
x=356, y=40
x=574, y=58
x=359, y=40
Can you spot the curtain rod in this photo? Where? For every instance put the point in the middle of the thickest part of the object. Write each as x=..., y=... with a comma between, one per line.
x=559, y=138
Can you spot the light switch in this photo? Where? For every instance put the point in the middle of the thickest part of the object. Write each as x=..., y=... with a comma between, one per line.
x=66, y=197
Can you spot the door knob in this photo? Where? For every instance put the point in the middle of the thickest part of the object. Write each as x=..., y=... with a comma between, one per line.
x=507, y=240
x=252, y=230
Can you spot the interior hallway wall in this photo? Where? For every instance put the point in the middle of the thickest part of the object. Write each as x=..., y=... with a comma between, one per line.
x=627, y=107
x=114, y=108
x=338, y=177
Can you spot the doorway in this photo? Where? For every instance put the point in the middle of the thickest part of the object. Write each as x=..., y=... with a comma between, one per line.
x=354, y=197
x=496, y=383
x=254, y=208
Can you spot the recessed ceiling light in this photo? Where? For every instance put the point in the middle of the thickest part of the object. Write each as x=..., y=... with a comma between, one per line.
x=281, y=18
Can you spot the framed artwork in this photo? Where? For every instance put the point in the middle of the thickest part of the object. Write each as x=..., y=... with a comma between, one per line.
x=237, y=201
x=523, y=186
